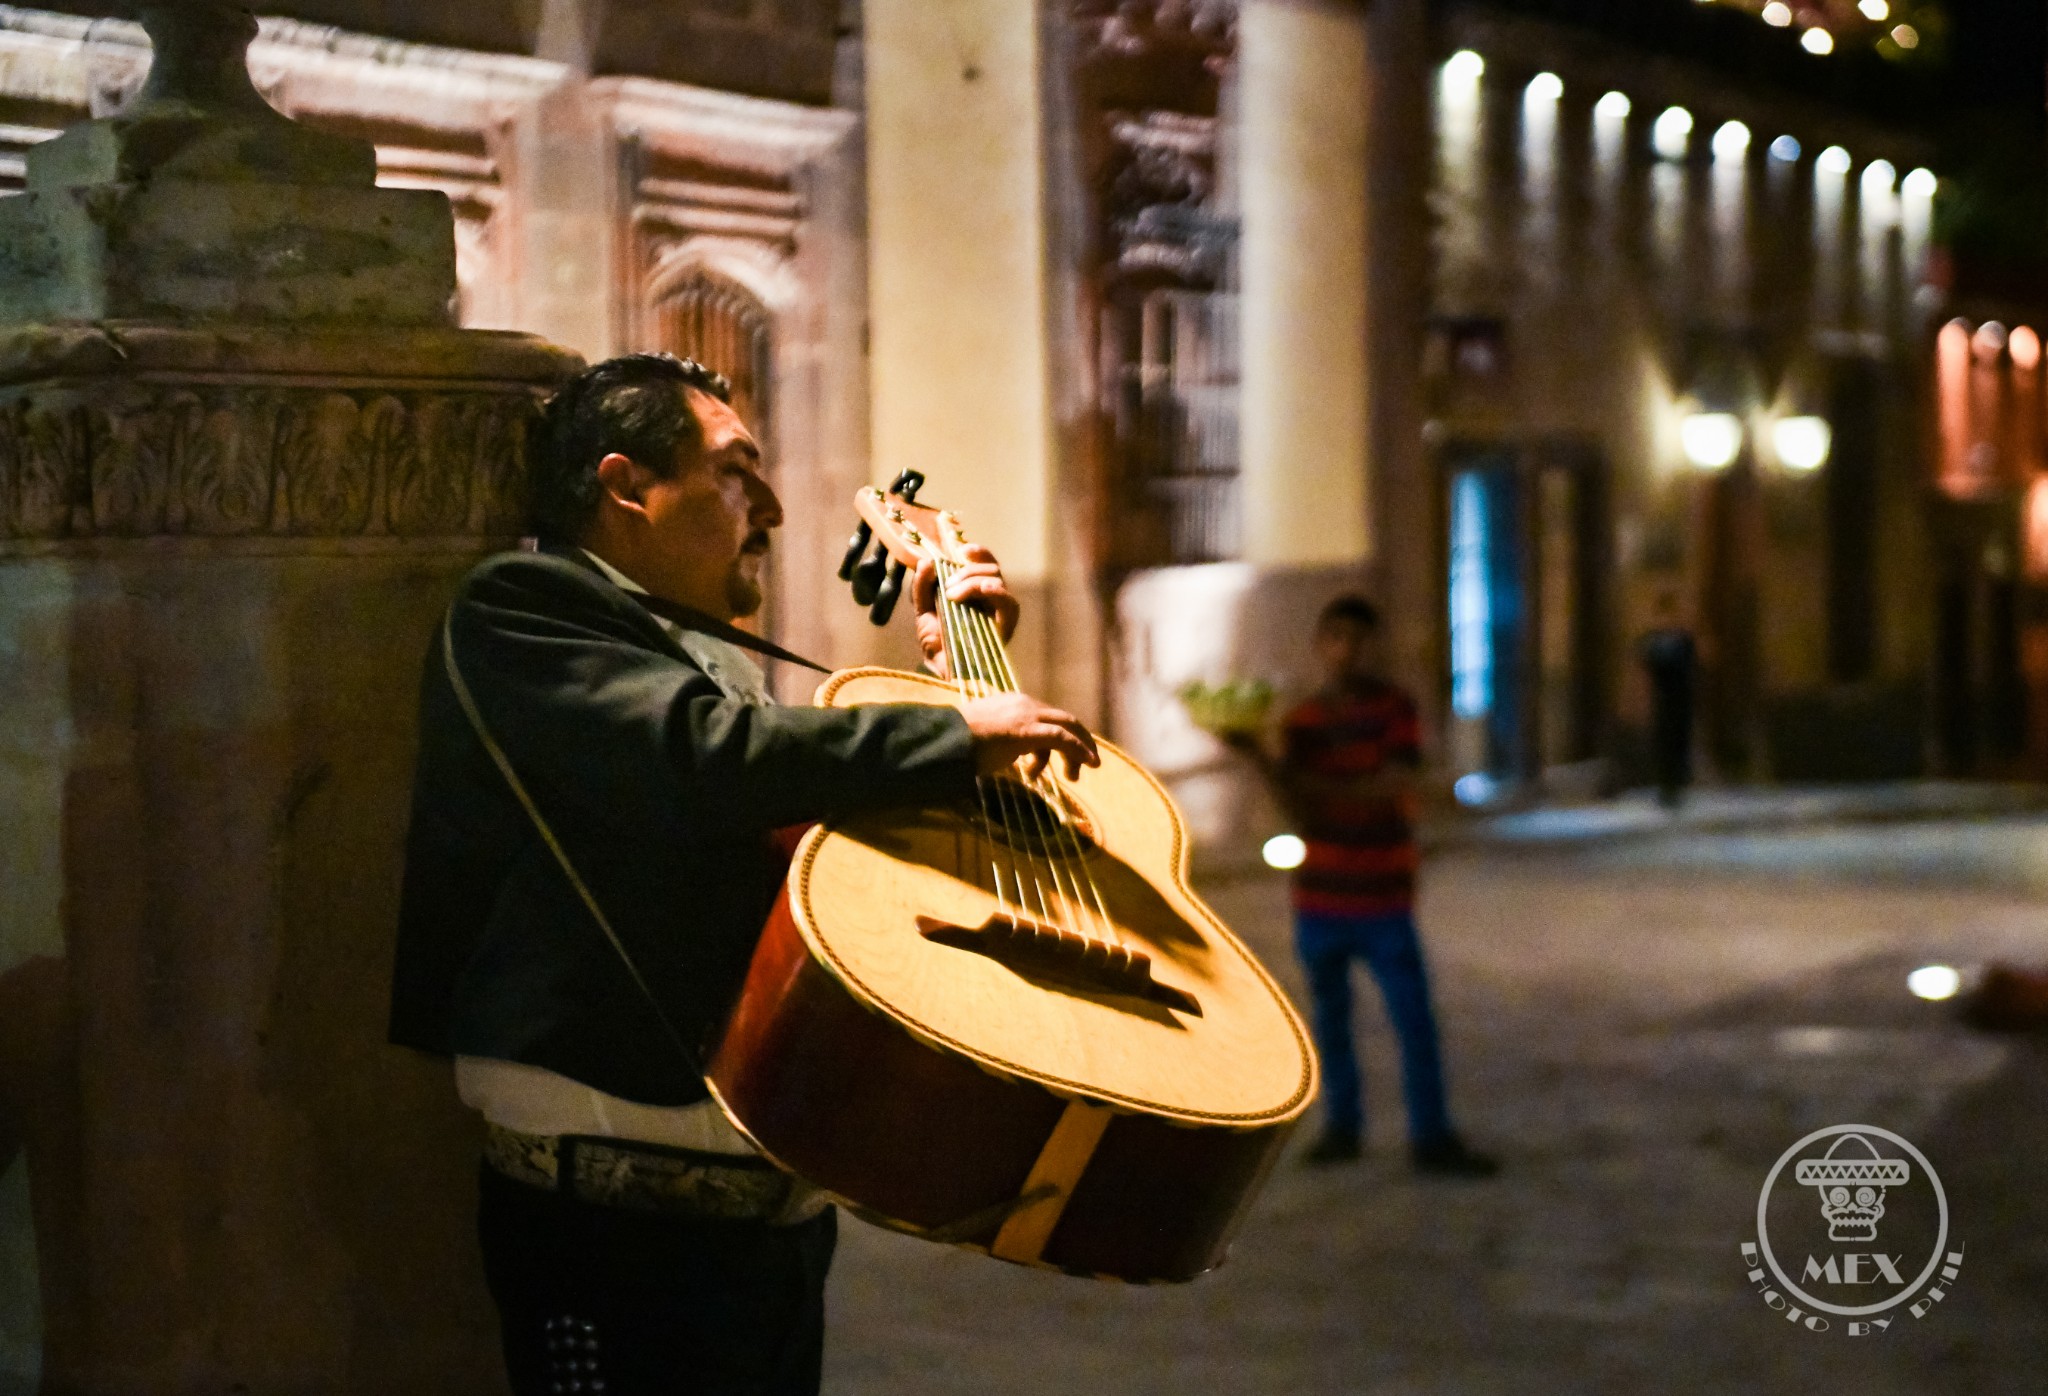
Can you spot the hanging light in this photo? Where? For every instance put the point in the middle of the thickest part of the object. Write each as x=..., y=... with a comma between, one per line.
x=1906, y=36
x=1835, y=160
x=1877, y=178
x=1544, y=87
x=1920, y=184
x=1710, y=440
x=1731, y=142
x=1285, y=852
x=1817, y=41
x=1778, y=14
x=1612, y=107
x=1802, y=443
x=1785, y=148
x=1875, y=10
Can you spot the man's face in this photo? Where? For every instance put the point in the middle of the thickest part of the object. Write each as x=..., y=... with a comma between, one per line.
x=708, y=523
x=1347, y=650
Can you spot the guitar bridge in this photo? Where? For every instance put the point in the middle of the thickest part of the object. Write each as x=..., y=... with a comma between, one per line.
x=1041, y=951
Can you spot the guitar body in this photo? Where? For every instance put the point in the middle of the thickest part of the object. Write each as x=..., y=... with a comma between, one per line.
x=950, y=1066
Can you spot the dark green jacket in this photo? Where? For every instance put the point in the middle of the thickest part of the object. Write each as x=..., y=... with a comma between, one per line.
x=664, y=792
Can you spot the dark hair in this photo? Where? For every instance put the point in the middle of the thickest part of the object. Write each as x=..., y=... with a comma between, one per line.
x=1352, y=609
x=634, y=405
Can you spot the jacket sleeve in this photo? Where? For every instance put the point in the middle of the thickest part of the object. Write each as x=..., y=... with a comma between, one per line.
x=601, y=723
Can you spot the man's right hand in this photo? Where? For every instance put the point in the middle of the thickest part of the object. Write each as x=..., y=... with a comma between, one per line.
x=1008, y=727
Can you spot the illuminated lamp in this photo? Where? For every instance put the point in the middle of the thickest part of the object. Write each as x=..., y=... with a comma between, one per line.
x=1817, y=41
x=1835, y=160
x=1877, y=178
x=1875, y=10
x=1778, y=14
x=2026, y=348
x=1785, y=148
x=1989, y=341
x=1710, y=440
x=1802, y=443
x=1464, y=68
x=1920, y=184
x=1613, y=107
x=1544, y=87
x=1934, y=982
x=1731, y=142
x=1906, y=37
x=1669, y=135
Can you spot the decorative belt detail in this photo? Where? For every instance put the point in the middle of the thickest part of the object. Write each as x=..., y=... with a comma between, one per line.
x=651, y=1177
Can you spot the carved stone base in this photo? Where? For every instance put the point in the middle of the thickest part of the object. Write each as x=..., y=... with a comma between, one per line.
x=115, y=431
x=223, y=556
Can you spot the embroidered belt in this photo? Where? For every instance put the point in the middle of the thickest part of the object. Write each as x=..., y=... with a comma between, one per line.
x=650, y=1177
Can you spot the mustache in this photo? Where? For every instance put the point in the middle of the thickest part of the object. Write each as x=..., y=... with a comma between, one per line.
x=756, y=542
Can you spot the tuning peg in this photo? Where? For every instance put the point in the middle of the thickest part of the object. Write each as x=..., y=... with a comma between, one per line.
x=906, y=485
x=855, y=546
x=869, y=575
x=886, y=598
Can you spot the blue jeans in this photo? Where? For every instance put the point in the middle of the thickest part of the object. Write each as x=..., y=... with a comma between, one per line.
x=1389, y=947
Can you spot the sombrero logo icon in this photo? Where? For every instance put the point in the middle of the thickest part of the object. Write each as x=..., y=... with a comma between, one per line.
x=1852, y=1185
x=1879, y=1240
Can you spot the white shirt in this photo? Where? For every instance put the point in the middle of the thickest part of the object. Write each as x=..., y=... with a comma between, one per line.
x=534, y=1100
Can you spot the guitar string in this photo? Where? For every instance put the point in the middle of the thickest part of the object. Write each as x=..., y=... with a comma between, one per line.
x=975, y=656
x=1062, y=843
x=982, y=789
x=971, y=665
x=1064, y=811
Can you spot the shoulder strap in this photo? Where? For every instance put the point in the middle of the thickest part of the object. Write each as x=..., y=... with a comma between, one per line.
x=690, y=618
x=547, y=835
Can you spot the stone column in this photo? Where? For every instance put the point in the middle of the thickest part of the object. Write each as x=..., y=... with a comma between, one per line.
x=244, y=456
x=957, y=276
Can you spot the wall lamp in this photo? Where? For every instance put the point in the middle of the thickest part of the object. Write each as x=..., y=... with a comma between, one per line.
x=1710, y=440
x=1802, y=443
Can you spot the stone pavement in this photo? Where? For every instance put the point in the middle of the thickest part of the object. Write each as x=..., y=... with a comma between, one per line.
x=1638, y=1040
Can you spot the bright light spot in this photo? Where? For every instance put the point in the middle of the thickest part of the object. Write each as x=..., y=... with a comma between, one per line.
x=1934, y=982
x=1544, y=87
x=1906, y=36
x=1710, y=440
x=1731, y=142
x=1989, y=341
x=2026, y=348
x=1670, y=132
x=1778, y=13
x=1878, y=176
x=1835, y=160
x=1817, y=41
x=1801, y=442
x=1464, y=68
x=1285, y=852
x=1474, y=789
x=1920, y=184
x=1785, y=148
x=1612, y=107
x=1875, y=9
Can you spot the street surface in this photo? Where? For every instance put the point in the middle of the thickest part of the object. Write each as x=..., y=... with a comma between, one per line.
x=1638, y=1029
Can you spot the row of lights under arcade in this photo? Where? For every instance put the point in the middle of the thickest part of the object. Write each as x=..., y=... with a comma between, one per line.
x=1671, y=134
x=1896, y=36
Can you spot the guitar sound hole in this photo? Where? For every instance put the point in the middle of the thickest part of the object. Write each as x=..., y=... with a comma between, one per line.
x=1018, y=817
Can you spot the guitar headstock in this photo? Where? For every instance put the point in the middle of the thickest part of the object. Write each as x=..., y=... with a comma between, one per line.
x=903, y=533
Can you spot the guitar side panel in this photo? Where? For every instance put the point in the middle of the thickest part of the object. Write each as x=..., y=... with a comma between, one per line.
x=846, y=1098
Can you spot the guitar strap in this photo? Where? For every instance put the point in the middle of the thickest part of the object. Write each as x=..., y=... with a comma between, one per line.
x=547, y=835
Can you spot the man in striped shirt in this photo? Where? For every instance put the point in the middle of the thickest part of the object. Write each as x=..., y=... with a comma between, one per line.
x=1346, y=776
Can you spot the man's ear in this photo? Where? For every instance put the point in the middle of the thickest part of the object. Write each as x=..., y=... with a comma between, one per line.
x=620, y=478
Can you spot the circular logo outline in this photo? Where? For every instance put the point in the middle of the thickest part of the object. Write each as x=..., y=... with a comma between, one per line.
x=1763, y=1235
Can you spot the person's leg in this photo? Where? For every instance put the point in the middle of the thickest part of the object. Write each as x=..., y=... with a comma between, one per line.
x=1325, y=946
x=632, y=1303
x=1393, y=952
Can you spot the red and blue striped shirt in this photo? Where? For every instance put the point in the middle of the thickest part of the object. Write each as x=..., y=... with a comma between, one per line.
x=1361, y=847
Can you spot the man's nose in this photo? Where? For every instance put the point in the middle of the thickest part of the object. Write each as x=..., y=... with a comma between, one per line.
x=764, y=508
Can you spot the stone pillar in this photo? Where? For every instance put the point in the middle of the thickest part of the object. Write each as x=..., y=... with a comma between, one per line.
x=244, y=456
x=957, y=276
x=1302, y=190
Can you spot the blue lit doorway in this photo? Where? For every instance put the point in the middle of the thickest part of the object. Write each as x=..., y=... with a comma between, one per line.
x=1524, y=563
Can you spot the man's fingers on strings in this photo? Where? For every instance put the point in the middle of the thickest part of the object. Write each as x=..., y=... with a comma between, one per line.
x=924, y=587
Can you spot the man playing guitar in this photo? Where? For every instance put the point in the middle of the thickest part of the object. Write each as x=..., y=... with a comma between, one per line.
x=589, y=864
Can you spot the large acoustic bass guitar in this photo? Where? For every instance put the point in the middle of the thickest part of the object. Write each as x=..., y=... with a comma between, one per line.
x=1010, y=1024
